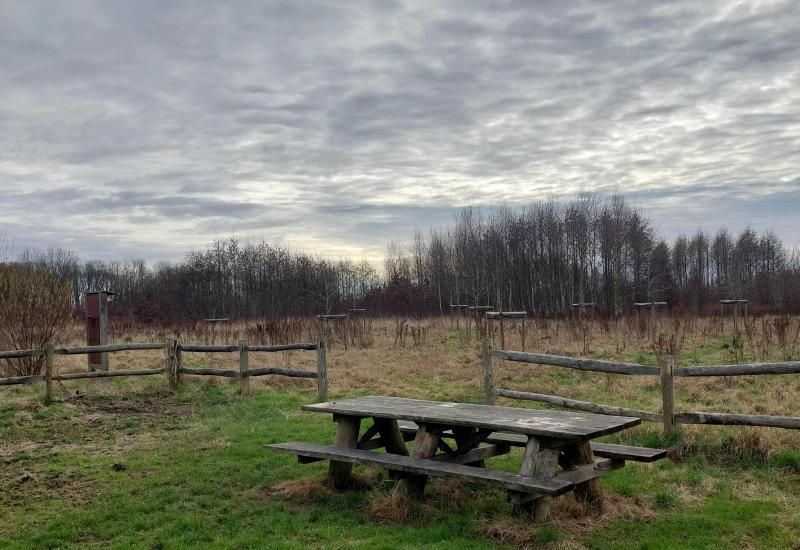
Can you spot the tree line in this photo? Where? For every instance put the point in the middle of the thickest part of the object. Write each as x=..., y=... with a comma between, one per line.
x=549, y=255
x=541, y=258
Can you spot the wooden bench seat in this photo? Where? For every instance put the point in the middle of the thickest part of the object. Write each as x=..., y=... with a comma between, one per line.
x=605, y=450
x=627, y=452
x=429, y=467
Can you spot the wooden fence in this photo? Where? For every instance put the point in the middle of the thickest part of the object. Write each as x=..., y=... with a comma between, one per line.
x=173, y=363
x=666, y=371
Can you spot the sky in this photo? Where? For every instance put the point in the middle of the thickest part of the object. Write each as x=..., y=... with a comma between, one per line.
x=142, y=129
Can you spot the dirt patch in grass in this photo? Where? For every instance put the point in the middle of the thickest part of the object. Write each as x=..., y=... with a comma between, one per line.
x=154, y=405
x=108, y=423
x=33, y=486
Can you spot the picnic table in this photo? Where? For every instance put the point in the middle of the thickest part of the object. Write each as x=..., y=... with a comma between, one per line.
x=455, y=439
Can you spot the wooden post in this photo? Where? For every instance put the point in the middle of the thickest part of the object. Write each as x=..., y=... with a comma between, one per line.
x=488, y=370
x=524, y=330
x=178, y=362
x=48, y=374
x=244, y=364
x=667, y=364
x=168, y=361
x=322, y=363
x=502, y=331
x=344, y=332
x=171, y=366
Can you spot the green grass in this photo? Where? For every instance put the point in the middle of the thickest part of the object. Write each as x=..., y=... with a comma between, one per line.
x=143, y=469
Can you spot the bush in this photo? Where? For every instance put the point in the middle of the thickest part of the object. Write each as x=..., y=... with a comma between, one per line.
x=34, y=311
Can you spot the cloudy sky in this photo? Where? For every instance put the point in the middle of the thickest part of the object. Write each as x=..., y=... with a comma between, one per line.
x=139, y=129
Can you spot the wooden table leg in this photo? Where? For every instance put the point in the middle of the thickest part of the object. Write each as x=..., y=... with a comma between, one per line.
x=577, y=454
x=392, y=439
x=391, y=436
x=425, y=444
x=468, y=439
x=346, y=437
x=541, y=462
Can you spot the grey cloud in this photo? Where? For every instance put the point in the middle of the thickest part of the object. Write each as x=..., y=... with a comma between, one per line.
x=356, y=122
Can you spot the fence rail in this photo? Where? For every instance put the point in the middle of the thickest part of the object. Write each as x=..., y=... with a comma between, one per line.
x=613, y=367
x=667, y=373
x=173, y=366
x=593, y=365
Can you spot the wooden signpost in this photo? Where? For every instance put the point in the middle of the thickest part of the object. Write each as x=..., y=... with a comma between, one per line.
x=735, y=303
x=500, y=316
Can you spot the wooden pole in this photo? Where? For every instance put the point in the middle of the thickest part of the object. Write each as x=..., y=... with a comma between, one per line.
x=667, y=364
x=168, y=362
x=502, y=332
x=524, y=330
x=178, y=362
x=244, y=364
x=322, y=363
x=171, y=366
x=48, y=374
x=488, y=370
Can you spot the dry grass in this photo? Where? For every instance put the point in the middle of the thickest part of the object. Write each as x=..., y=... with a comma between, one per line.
x=309, y=488
x=393, y=506
x=568, y=516
x=445, y=363
x=302, y=488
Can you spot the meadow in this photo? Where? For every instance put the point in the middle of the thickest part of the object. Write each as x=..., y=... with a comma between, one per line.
x=128, y=464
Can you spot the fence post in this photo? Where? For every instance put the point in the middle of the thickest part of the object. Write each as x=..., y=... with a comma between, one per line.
x=502, y=330
x=171, y=362
x=48, y=374
x=322, y=363
x=178, y=364
x=244, y=364
x=488, y=370
x=667, y=364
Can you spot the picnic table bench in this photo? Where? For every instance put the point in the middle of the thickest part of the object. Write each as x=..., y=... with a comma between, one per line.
x=455, y=439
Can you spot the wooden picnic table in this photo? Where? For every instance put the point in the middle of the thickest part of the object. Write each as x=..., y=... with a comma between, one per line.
x=550, y=439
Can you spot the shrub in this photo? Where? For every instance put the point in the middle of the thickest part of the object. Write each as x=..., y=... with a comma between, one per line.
x=34, y=311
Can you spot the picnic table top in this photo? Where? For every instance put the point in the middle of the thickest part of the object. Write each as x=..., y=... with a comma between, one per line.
x=536, y=422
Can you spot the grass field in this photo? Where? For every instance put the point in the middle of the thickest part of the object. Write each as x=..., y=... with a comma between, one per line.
x=126, y=464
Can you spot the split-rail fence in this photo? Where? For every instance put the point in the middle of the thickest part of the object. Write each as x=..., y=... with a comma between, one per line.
x=666, y=371
x=173, y=363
